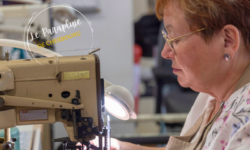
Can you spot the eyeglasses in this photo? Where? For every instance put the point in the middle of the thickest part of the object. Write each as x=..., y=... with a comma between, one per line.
x=170, y=41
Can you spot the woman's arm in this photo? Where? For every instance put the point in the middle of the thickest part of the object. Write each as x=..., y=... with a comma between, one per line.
x=119, y=145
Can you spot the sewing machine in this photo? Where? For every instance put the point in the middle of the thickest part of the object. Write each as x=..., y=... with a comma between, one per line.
x=57, y=89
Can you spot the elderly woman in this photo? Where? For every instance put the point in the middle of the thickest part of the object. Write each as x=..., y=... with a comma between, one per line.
x=208, y=42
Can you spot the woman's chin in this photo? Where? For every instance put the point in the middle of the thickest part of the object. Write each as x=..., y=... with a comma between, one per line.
x=183, y=82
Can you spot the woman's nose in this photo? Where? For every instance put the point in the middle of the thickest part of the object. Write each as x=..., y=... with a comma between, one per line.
x=167, y=52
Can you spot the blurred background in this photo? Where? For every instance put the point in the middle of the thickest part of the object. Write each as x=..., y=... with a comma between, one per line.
x=129, y=35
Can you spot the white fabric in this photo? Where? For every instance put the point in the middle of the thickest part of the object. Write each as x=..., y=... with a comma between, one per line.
x=196, y=111
x=209, y=108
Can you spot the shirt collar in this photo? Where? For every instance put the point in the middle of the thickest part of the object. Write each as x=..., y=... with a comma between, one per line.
x=244, y=79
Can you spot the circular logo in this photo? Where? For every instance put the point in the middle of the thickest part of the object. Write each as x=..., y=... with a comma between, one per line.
x=67, y=33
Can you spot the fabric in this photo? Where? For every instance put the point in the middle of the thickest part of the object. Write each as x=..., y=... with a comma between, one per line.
x=196, y=111
x=209, y=108
x=183, y=142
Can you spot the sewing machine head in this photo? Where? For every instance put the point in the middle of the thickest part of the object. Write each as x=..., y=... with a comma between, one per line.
x=57, y=89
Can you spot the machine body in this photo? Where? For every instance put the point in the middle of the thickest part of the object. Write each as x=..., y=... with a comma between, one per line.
x=54, y=89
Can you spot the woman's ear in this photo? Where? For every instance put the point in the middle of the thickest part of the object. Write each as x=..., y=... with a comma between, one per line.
x=231, y=37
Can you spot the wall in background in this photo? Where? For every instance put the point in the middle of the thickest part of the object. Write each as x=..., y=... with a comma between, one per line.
x=141, y=7
x=113, y=33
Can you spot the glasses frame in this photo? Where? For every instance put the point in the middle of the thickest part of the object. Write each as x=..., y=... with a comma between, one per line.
x=170, y=41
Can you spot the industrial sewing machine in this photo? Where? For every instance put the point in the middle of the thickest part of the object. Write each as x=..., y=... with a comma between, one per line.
x=57, y=89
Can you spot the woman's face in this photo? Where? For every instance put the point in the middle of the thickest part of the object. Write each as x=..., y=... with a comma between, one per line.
x=195, y=63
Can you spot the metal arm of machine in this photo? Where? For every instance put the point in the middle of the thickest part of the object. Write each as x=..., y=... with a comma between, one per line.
x=37, y=103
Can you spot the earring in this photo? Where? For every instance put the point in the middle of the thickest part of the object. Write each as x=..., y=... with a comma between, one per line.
x=227, y=57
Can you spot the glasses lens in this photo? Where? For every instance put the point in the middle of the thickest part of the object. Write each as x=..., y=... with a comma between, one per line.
x=165, y=36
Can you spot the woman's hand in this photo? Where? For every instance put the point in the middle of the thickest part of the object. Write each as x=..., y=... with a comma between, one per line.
x=115, y=144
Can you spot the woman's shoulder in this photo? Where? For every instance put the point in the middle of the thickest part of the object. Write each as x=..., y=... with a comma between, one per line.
x=234, y=118
x=236, y=109
x=234, y=121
